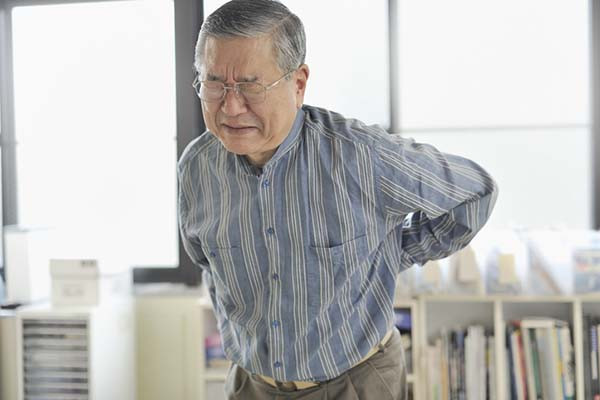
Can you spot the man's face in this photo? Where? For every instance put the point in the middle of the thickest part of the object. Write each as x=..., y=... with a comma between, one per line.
x=253, y=130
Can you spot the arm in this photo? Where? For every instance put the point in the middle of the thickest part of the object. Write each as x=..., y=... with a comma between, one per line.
x=445, y=199
x=185, y=199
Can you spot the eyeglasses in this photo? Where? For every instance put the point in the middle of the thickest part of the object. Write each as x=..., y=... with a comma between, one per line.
x=251, y=92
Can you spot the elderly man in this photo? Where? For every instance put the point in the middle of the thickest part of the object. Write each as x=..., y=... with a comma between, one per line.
x=302, y=219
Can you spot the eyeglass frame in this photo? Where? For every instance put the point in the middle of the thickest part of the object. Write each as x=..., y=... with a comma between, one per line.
x=197, y=84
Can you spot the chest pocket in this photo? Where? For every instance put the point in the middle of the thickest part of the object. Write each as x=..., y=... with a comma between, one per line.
x=332, y=270
x=234, y=296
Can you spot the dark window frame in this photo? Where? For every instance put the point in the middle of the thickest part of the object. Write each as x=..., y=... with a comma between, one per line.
x=188, y=16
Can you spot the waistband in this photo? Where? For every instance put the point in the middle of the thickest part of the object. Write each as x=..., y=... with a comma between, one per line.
x=299, y=385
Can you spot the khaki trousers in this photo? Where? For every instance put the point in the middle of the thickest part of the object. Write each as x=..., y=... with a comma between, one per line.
x=381, y=377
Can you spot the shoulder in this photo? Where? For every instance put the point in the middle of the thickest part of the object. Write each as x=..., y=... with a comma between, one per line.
x=199, y=148
x=354, y=132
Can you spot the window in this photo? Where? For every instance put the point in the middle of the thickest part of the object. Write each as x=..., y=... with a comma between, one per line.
x=97, y=125
x=507, y=85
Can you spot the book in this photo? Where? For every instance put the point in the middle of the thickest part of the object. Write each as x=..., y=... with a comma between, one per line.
x=587, y=368
x=568, y=367
x=556, y=364
x=522, y=367
x=510, y=366
x=531, y=389
x=492, y=387
x=434, y=375
x=541, y=322
x=594, y=360
x=544, y=342
x=475, y=363
x=535, y=358
x=445, y=379
x=517, y=370
x=460, y=364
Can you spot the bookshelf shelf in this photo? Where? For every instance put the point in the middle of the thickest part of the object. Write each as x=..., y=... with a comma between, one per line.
x=494, y=312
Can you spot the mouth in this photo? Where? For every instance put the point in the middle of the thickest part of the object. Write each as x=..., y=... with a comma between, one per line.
x=239, y=130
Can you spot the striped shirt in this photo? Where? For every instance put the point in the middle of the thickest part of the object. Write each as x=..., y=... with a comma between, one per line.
x=301, y=258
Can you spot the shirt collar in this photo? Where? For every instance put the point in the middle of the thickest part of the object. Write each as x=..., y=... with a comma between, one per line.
x=290, y=139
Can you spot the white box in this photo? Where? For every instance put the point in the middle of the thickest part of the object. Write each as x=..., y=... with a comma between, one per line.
x=93, y=345
x=83, y=282
x=27, y=252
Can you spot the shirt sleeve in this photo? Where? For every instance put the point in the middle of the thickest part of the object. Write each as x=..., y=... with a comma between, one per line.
x=442, y=199
x=185, y=194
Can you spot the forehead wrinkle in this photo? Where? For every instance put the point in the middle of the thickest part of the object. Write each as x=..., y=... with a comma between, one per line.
x=220, y=78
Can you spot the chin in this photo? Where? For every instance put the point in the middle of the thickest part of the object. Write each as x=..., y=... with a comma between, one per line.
x=237, y=148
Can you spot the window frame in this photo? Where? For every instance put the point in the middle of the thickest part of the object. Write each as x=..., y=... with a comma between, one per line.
x=188, y=16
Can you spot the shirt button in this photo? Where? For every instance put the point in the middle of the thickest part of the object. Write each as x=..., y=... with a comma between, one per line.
x=277, y=364
x=266, y=183
x=213, y=254
x=275, y=276
x=270, y=231
x=275, y=324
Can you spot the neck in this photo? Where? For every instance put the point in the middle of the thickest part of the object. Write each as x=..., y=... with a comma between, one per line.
x=259, y=160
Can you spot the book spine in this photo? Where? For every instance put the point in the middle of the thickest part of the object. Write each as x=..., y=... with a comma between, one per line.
x=481, y=361
x=594, y=360
x=510, y=366
x=525, y=334
x=546, y=367
x=445, y=367
x=493, y=387
x=536, y=365
x=557, y=364
x=517, y=375
x=587, y=365
x=522, y=367
x=452, y=358
x=567, y=360
x=460, y=339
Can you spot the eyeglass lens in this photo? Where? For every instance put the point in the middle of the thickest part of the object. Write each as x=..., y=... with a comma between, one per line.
x=215, y=91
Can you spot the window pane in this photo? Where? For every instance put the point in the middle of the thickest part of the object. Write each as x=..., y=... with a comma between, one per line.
x=543, y=175
x=482, y=63
x=95, y=125
x=347, y=53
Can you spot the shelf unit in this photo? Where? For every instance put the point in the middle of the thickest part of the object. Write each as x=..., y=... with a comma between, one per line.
x=212, y=379
x=493, y=311
x=164, y=320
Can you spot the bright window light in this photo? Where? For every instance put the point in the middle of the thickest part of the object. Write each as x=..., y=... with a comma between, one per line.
x=473, y=63
x=95, y=126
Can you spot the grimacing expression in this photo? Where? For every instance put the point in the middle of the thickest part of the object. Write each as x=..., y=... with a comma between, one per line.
x=253, y=130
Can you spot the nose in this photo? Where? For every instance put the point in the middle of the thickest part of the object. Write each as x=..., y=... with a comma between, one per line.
x=233, y=103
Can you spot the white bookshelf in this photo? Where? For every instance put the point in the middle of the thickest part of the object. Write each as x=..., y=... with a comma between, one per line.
x=492, y=312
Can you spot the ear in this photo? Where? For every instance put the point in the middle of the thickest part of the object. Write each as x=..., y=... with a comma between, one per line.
x=300, y=80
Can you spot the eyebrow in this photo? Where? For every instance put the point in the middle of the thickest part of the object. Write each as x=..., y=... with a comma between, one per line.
x=211, y=77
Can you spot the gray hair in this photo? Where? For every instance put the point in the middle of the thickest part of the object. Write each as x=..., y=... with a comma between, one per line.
x=253, y=18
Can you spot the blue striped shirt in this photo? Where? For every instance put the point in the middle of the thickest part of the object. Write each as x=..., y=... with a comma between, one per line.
x=301, y=258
